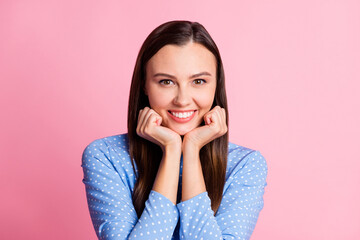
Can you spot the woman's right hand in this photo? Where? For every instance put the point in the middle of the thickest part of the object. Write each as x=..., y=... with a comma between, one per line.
x=149, y=127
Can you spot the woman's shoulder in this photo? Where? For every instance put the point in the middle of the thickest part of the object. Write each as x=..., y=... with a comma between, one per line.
x=112, y=149
x=112, y=152
x=118, y=141
x=234, y=148
x=241, y=157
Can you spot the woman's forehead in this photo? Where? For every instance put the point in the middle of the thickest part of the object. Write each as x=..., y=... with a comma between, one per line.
x=188, y=59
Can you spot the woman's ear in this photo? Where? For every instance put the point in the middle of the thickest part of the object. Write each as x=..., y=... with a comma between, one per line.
x=144, y=89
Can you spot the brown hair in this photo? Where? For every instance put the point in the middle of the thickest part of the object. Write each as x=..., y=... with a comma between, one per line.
x=148, y=155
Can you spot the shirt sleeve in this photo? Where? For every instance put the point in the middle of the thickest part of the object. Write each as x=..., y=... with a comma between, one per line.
x=110, y=202
x=239, y=209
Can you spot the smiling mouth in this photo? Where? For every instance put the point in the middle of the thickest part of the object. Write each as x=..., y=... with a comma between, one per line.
x=182, y=115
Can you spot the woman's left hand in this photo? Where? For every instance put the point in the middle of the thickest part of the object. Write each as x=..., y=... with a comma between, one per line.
x=215, y=126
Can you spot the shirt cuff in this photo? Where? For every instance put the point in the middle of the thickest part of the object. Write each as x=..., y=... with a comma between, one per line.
x=199, y=204
x=159, y=218
x=160, y=204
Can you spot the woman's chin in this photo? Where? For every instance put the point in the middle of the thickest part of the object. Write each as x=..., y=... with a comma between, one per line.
x=182, y=132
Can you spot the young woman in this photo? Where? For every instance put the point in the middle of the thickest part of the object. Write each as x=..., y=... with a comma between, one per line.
x=175, y=175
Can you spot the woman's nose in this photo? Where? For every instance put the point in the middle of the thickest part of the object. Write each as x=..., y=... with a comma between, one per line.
x=182, y=97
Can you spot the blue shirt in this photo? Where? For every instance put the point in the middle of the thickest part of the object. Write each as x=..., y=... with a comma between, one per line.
x=109, y=181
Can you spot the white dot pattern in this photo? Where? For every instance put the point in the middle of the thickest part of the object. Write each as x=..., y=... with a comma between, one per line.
x=109, y=182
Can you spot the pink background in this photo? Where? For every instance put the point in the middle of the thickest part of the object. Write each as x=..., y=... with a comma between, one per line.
x=292, y=78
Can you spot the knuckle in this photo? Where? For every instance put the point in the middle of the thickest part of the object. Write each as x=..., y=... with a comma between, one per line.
x=141, y=129
x=152, y=111
x=147, y=129
x=151, y=117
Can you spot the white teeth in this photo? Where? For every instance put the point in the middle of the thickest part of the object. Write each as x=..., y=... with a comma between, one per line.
x=183, y=115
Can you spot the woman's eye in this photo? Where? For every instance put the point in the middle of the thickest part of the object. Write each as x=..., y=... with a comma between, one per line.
x=165, y=82
x=198, y=81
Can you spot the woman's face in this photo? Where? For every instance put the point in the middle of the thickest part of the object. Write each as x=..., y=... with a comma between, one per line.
x=180, y=84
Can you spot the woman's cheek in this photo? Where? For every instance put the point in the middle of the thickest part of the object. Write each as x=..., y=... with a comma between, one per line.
x=205, y=100
x=159, y=100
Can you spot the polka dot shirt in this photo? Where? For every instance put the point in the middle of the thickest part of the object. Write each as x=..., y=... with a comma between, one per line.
x=109, y=180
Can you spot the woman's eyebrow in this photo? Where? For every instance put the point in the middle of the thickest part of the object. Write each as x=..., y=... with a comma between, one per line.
x=200, y=74
x=171, y=76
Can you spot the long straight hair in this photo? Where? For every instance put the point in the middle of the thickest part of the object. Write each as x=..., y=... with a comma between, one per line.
x=147, y=155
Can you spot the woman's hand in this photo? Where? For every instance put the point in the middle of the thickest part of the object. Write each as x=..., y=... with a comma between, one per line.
x=149, y=127
x=215, y=126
